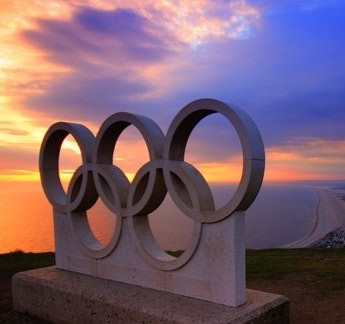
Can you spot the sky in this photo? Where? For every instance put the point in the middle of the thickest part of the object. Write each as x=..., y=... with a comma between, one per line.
x=81, y=61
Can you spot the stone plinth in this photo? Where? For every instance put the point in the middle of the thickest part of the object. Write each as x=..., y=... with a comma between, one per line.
x=67, y=297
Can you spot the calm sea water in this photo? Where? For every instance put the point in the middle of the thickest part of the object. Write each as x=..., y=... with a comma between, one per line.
x=281, y=214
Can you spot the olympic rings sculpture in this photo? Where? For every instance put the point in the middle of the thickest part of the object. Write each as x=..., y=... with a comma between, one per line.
x=166, y=171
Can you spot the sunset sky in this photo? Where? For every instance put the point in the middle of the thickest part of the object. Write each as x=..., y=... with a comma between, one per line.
x=80, y=61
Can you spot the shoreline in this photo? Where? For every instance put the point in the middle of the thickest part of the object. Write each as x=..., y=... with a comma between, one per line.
x=329, y=216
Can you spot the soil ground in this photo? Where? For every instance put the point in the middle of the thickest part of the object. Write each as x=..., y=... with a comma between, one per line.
x=307, y=305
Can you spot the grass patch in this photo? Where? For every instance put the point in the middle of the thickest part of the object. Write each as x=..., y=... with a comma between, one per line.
x=13, y=262
x=322, y=269
x=176, y=253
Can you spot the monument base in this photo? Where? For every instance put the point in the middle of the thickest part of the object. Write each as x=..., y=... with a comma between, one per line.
x=61, y=296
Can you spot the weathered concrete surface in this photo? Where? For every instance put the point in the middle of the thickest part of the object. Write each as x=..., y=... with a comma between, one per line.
x=215, y=273
x=67, y=297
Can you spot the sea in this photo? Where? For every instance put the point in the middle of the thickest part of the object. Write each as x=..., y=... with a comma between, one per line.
x=281, y=214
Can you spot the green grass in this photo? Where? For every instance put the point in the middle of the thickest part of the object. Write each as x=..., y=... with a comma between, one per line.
x=175, y=253
x=323, y=269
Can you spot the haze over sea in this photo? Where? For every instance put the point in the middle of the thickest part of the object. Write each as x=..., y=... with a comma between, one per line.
x=281, y=214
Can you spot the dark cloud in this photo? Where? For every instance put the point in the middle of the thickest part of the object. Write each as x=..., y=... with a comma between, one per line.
x=106, y=35
x=317, y=113
x=105, y=51
x=77, y=98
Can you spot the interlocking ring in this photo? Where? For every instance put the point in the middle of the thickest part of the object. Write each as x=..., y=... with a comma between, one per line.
x=166, y=171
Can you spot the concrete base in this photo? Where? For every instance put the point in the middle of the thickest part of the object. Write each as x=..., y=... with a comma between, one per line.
x=61, y=296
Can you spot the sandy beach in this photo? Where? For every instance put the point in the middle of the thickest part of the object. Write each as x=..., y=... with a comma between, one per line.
x=330, y=215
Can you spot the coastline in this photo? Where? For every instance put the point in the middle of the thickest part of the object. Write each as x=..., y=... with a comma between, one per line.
x=329, y=216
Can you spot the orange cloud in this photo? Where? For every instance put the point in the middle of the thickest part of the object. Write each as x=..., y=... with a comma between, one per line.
x=194, y=21
x=305, y=159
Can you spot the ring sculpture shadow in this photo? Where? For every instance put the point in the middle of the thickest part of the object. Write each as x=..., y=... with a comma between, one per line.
x=212, y=267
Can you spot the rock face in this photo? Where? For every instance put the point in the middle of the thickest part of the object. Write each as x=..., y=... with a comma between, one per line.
x=334, y=239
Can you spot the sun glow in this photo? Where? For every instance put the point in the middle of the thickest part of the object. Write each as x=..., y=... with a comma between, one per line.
x=17, y=175
x=220, y=172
